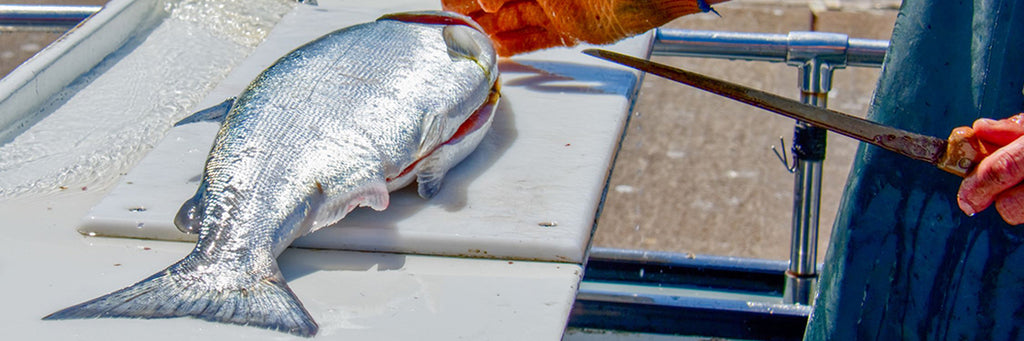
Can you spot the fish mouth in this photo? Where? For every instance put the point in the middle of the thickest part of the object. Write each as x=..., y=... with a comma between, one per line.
x=433, y=18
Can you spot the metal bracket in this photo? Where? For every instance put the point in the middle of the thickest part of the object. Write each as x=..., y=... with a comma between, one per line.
x=783, y=157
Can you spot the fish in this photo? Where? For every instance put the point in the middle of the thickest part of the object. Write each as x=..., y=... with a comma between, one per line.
x=335, y=124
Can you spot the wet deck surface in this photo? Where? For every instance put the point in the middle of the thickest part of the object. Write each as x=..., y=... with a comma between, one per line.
x=696, y=173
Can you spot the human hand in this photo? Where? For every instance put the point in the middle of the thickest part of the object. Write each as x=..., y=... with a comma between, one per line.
x=520, y=26
x=997, y=178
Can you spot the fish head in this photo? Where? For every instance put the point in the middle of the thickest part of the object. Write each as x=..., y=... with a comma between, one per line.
x=464, y=38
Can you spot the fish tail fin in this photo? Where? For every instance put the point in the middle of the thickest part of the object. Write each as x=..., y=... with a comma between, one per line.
x=267, y=303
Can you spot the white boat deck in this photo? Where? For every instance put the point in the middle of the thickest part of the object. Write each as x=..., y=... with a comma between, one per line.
x=497, y=255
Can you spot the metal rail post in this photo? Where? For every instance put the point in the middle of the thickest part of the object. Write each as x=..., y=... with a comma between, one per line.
x=816, y=55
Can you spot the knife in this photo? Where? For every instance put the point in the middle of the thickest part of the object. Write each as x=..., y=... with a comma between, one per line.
x=958, y=154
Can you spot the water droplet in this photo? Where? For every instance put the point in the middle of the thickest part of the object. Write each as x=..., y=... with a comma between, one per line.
x=548, y=224
x=140, y=225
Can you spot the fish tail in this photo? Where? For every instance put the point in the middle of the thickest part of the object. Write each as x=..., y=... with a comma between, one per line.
x=174, y=292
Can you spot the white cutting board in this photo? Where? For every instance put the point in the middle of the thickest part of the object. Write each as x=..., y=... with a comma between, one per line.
x=530, y=191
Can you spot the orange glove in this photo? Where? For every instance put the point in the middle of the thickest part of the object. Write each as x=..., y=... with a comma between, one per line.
x=519, y=26
x=997, y=178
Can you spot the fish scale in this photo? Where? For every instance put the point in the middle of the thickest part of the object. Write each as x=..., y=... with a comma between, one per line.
x=333, y=125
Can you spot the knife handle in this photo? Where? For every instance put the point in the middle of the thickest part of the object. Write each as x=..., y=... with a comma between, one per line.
x=963, y=152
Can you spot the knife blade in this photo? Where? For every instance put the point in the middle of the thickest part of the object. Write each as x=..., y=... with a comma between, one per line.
x=958, y=154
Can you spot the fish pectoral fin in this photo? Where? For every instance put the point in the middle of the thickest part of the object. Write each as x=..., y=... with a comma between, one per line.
x=461, y=42
x=430, y=177
x=465, y=42
x=373, y=195
x=432, y=134
x=430, y=171
x=215, y=113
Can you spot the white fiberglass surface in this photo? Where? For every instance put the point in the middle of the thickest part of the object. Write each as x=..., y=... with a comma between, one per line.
x=94, y=130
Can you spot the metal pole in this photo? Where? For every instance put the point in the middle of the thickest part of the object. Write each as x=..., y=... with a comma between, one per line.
x=50, y=18
x=768, y=47
x=816, y=55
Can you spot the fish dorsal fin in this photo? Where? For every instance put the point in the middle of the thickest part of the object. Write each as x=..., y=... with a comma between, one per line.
x=215, y=113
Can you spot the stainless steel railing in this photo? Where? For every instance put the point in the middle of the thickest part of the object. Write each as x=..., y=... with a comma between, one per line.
x=43, y=17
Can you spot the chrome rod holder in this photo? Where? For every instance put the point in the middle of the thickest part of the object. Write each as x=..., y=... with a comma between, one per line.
x=816, y=55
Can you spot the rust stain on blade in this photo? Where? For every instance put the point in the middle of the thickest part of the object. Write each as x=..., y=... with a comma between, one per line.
x=924, y=148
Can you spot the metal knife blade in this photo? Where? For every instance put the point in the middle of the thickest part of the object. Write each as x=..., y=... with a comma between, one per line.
x=957, y=158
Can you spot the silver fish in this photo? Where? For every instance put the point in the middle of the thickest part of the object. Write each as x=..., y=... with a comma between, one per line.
x=335, y=124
